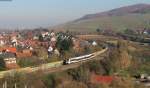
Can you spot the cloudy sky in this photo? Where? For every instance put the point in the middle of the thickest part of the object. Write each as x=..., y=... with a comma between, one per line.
x=45, y=13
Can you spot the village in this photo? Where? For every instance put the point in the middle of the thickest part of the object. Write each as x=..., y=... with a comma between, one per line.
x=75, y=44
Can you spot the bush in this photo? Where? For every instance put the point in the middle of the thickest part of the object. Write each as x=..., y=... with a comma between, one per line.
x=96, y=66
x=49, y=81
x=2, y=64
x=21, y=80
x=32, y=61
x=80, y=74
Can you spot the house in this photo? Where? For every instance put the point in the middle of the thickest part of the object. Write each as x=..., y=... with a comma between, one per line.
x=84, y=43
x=146, y=32
x=56, y=52
x=94, y=43
x=76, y=44
x=10, y=49
x=14, y=37
x=10, y=61
x=50, y=50
x=44, y=34
x=28, y=42
x=14, y=42
x=53, y=42
x=31, y=49
x=2, y=40
x=45, y=44
x=35, y=38
x=2, y=43
x=24, y=53
x=52, y=34
x=79, y=44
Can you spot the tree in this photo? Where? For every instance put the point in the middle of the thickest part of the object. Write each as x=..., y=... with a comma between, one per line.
x=80, y=74
x=41, y=38
x=119, y=58
x=20, y=80
x=98, y=30
x=96, y=67
x=64, y=42
x=124, y=59
x=2, y=64
x=129, y=31
x=49, y=81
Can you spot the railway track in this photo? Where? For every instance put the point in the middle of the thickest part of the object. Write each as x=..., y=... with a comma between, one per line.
x=74, y=65
x=51, y=67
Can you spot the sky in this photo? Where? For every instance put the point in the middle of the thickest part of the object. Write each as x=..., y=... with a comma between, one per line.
x=45, y=13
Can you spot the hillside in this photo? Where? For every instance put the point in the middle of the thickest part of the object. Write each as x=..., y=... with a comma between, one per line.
x=133, y=9
x=133, y=17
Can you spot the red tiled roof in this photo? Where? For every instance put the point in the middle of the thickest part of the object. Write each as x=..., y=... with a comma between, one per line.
x=11, y=49
x=29, y=42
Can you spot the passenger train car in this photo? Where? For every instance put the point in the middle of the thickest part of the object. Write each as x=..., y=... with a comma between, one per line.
x=78, y=59
x=83, y=58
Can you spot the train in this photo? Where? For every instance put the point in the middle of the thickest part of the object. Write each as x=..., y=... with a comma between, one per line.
x=77, y=59
x=83, y=58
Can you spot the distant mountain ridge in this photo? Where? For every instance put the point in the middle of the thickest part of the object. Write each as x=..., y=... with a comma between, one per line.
x=134, y=17
x=132, y=9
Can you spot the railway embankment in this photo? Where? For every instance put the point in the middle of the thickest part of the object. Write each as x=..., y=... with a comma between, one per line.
x=50, y=67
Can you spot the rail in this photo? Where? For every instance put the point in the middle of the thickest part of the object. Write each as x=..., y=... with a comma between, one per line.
x=44, y=66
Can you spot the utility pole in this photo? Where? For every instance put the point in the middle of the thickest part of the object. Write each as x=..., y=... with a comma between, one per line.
x=15, y=85
x=5, y=84
x=25, y=86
